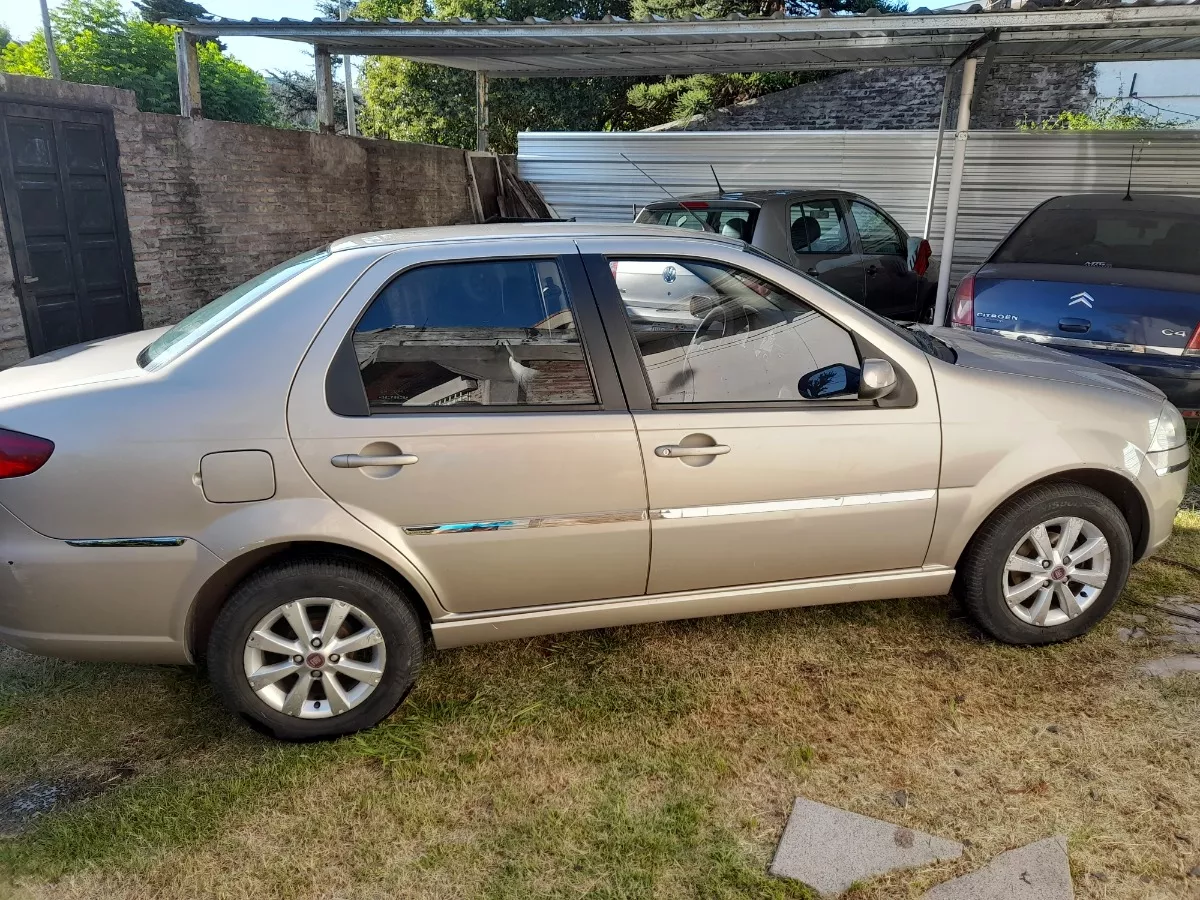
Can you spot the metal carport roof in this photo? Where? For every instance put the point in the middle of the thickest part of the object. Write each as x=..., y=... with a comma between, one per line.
x=614, y=46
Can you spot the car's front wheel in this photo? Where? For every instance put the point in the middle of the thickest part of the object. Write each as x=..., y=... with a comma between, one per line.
x=1047, y=566
x=315, y=649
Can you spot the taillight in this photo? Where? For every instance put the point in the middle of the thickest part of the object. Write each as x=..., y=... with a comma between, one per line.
x=22, y=454
x=1193, y=344
x=612, y=267
x=964, y=303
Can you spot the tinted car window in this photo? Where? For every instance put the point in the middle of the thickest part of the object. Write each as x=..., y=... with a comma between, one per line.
x=876, y=233
x=737, y=223
x=1106, y=238
x=818, y=227
x=743, y=340
x=494, y=333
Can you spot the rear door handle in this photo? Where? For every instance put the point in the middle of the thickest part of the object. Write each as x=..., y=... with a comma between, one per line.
x=355, y=461
x=675, y=451
x=812, y=270
x=872, y=271
x=1079, y=326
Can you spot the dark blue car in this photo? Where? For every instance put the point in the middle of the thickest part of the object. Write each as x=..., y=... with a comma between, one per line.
x=1110, y=277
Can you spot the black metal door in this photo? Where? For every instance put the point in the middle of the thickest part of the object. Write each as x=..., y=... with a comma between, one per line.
x=65, y=215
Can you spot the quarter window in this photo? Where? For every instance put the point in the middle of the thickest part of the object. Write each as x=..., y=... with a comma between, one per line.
x=818, y=227
x=708, y=333
x=878, y=235
x=492, y=333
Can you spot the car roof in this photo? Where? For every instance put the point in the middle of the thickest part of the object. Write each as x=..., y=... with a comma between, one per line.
x=760, y=195
x=456, y=233
x=1136, y=201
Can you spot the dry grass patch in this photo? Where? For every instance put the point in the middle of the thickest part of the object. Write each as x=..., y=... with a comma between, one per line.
x=644, y=762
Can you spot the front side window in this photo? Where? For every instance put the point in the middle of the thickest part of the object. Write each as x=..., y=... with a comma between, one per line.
x=818, y=227
x=733, y=338
x=879, y=236
x=488, y=333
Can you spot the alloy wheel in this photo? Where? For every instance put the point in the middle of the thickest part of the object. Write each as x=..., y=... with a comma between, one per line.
x=1056, y=571
x=314, y=658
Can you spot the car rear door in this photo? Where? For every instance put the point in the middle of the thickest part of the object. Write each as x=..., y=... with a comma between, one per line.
x=748, y=482
x=822, y=245
x=462, y=402
x=892, y=287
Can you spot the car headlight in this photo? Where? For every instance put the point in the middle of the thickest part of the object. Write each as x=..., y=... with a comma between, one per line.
x=1167, y=431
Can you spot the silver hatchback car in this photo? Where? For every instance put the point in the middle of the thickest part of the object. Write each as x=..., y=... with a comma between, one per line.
x=461, y=435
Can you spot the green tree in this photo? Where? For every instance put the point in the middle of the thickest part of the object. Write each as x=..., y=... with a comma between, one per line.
x=1114, y=115
x=5, y=35
x=98, y=43
x=154, y=11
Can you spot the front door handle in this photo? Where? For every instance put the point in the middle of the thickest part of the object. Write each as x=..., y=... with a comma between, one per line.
x=675, y=451
x=355, y=461
x=872, y=270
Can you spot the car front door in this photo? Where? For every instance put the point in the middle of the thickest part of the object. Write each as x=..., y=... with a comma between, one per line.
x=822, y=246
x=893, y=289
x=462, y=402
x=750, y=482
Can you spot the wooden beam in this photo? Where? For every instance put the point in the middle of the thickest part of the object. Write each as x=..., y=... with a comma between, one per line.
x=187, y=66
x=324, y=91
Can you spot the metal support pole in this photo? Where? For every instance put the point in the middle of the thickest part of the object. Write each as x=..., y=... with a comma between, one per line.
x=51, y=52
x=937, y=152
x=187, y=66
x=351, y=119
x=965, y=94
x=324, y=90
x=481, y=112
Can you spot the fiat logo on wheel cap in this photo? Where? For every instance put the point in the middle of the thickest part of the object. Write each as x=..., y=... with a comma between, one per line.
x=314, y=660
x=1058, y=574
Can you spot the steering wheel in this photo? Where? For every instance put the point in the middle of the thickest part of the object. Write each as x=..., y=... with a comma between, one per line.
x=720, y=311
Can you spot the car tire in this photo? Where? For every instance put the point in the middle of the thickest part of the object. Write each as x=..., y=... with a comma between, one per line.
x=376, y=612
x=993, y=581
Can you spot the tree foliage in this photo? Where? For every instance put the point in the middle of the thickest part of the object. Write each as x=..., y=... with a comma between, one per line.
x=5, y=35
x=1115, y=115
x=154, y=11
x=98, y=43
x=295, y=98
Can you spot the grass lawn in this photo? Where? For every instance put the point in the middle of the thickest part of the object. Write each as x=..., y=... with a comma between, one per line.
x=655, y=761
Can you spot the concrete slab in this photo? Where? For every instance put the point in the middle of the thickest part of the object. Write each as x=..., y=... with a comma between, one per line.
x=1038, y=871
x=1171, y=666
x=829, y=849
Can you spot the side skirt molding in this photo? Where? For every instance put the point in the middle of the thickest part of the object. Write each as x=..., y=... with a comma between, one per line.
x=462, y=630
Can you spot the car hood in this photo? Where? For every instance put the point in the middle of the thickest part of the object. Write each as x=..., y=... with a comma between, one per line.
x=999, y=354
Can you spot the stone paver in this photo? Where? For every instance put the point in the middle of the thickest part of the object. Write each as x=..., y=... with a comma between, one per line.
x=1038, y=871
x=829, y=849
x=1171, y=666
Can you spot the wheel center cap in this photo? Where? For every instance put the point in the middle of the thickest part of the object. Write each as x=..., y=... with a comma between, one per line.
x=314, y=660
x=1059, y=574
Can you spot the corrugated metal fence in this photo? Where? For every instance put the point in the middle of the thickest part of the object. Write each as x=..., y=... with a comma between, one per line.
x=583, y=175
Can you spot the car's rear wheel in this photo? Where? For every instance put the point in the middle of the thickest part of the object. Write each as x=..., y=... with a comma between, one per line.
x=1047, y=566
x=315, y=649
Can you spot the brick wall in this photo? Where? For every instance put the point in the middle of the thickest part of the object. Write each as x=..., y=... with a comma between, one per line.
x=211, y=204
x=906, y=98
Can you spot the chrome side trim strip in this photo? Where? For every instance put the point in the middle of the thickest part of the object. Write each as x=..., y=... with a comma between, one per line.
x=1056, y=341
x=478, y=628
x=128, y=542
x=601, y=518
x=1171, y=470
x=775, y=506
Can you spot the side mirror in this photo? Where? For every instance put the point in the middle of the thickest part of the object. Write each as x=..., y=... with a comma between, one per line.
x=878, y=379
x=919, y=255
x=831, y=381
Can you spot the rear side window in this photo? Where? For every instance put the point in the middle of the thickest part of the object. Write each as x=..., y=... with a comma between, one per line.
x=736, y=223
x=490, y=333
x=878, y=235
x=818, y=227
x=1106, y=238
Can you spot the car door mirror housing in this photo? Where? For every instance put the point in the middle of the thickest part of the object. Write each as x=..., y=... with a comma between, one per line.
x=878, y=379
x=838, y=380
